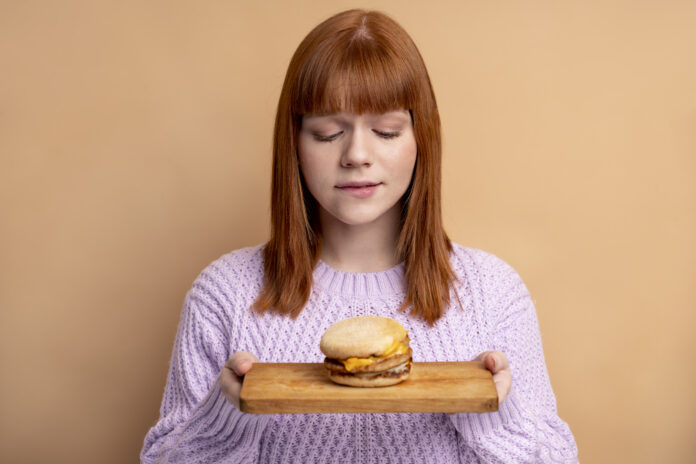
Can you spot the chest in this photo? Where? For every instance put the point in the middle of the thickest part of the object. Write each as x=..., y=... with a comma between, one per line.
x=458, y=336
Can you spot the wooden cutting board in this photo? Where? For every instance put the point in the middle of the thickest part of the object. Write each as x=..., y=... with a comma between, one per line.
x=277, y=388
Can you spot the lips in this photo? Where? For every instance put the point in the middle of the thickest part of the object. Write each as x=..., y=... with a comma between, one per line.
x=358, y=184
x=361, y=189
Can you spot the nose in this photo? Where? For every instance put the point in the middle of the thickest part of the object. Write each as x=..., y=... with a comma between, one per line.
x=357, y=151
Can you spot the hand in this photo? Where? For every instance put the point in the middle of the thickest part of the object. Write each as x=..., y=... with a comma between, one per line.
x=497, y=363
x=232, y=375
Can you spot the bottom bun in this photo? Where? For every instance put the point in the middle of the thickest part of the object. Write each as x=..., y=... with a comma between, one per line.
x=377, y=379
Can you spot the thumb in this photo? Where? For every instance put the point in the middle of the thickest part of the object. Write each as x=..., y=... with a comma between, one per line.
x=490, y=362
x=243, y=367
x=493, y=360
x=488, y=359
x=241, y=362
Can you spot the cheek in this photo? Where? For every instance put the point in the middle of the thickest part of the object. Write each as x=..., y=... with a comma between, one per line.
x=313, y=172
x=406, y=161
x=306, y=161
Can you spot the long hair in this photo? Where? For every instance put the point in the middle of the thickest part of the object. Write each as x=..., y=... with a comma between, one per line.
x=356, y=61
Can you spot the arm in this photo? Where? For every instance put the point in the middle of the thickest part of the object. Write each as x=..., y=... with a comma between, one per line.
x=526, y=427
x=197, y=423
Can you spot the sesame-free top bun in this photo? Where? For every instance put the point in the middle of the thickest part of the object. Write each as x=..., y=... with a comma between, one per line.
x=361, y=337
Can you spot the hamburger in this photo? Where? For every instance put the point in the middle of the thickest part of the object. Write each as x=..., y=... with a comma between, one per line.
x=367, y=351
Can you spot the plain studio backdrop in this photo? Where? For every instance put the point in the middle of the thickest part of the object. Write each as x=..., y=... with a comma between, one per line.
x=135, y=143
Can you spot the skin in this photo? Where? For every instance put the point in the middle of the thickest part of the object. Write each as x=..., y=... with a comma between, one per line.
x=358, y=234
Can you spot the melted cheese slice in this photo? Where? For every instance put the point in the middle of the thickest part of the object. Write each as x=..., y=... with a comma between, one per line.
x=396, y=348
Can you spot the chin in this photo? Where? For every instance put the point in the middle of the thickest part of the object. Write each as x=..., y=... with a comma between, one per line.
x=360, y=215
x=359, y=220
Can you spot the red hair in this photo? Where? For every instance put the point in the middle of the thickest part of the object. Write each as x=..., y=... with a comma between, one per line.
x=356, y=61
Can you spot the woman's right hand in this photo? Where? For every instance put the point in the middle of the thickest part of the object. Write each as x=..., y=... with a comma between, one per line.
x=233, y=373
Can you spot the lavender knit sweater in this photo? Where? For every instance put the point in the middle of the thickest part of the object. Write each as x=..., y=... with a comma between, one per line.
x=198, y=425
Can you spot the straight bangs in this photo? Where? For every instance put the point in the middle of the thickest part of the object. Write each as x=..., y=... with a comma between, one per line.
x=365, y=77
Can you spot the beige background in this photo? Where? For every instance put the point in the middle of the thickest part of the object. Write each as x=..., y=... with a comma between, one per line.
x=135, y=140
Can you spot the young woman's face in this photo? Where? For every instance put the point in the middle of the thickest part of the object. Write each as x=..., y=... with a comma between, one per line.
x=357, y=167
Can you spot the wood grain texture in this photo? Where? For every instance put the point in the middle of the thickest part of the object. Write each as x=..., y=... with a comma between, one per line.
x=278, y=388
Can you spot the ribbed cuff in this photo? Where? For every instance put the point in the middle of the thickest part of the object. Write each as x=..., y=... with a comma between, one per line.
x=219, y=417
x=474, y=425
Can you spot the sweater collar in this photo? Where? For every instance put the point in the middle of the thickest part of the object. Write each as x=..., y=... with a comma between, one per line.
x=360, y=284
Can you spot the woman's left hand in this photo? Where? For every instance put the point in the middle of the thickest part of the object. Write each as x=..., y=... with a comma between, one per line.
x=497, y=363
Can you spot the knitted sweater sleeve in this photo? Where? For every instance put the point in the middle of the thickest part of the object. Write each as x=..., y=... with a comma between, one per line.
x=197, y=423
x=526, y=427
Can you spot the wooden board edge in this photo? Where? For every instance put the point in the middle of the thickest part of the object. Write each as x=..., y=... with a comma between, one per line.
x=475, y=405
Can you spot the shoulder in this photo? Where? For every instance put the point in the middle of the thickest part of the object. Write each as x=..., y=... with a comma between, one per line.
x=483, y=263
x=234, y=276
x=486, y=274
x=491, y=280
x=215, y=303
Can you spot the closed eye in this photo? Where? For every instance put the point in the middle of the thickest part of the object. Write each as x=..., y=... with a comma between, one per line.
x=327, y=138
x=387, y=135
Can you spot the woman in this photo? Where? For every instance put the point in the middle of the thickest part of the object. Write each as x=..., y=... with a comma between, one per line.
x=356, y=230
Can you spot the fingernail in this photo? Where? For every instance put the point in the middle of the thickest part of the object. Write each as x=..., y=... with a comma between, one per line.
x=242, y=367
x=492, y=362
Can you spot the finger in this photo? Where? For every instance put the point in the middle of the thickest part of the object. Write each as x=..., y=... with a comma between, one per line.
x=489, y=362
x=503, y=383
x=241, y=362
x=482, y=356
x=233, y=373
x=231, y=385
x=496, y=361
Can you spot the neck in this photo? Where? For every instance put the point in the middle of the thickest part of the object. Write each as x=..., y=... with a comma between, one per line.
x=367, y=247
